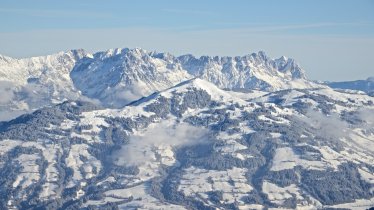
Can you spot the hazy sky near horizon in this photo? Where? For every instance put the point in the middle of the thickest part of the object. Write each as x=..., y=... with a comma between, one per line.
x=331, y=39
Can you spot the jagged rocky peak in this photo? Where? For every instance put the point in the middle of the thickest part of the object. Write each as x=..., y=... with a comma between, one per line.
x=126, y=74
x=162, y=55
x=79, y=53
x=260, y=56
x=132, y=55
x=138, y=52
x=244, y=63
x=72, y=55
x=282, y=64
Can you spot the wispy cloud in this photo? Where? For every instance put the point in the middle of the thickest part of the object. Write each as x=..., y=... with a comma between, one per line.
x=187, y=11
x=266, y=27
x=56, y=13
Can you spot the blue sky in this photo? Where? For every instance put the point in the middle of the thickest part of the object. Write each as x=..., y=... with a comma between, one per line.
x=331, y=39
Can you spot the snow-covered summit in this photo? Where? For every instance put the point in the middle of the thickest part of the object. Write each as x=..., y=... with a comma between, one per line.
x=108, y=73
x=119, y=76
x=198, y=84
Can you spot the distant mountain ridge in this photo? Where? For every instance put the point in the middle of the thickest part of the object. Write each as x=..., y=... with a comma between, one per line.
x=363, y=85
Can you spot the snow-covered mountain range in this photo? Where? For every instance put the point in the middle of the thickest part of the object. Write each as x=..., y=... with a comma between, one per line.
x=119, y=76
x=210, y=133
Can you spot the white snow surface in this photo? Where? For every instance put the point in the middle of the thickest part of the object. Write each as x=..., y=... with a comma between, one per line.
x=232, y=183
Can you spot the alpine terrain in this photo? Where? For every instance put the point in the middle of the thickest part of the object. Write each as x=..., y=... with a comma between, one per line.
x=132, y=129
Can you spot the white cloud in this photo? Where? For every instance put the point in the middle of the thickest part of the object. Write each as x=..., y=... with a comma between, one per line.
x=6, y=92
x=367, y=115
x=120, y=96
x=331, y=126
x=141, y=147
x=334, y=128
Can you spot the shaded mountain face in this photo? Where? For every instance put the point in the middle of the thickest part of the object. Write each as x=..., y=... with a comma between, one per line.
x=366, y=86
x=194, y=146
x=116, y=77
